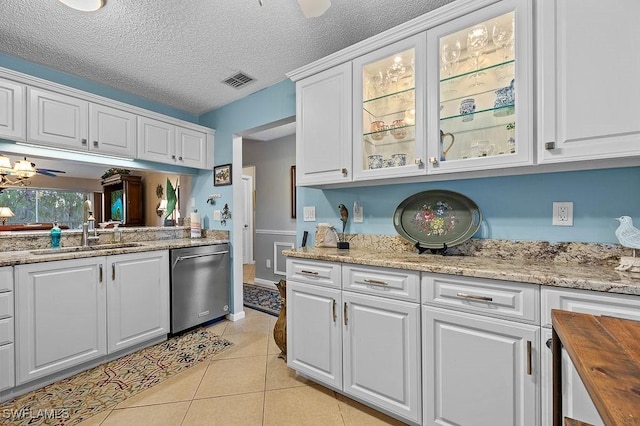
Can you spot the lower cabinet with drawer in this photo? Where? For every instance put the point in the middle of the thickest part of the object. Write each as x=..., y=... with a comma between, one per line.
x=480, y=352
x=576, y=402
x=357, y=332
x=7, y=352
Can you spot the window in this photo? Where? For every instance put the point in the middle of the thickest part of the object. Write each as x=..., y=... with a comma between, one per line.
x=31, y=205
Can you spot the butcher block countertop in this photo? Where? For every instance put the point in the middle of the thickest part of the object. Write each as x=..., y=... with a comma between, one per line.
x=532, y=270
x=606, y=353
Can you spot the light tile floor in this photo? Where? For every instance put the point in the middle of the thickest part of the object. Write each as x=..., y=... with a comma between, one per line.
x=245, y=385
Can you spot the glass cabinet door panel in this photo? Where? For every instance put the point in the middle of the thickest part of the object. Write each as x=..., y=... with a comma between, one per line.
x=477, y=89
x=483, y=60
x=386, y=143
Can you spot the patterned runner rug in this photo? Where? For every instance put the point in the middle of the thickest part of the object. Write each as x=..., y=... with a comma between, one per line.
x=262, y=298
x=79, y=397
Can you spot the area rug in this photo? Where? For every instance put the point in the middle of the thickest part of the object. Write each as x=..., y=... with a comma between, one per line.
x=262, y=298
x=79, y=397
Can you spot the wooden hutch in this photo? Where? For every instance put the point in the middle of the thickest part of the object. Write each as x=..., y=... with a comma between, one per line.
x=123, y=199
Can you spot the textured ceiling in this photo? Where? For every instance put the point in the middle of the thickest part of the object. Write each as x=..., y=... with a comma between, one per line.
x=177, y=52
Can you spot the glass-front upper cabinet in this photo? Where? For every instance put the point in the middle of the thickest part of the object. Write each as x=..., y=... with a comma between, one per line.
x=389, y=119
x=480, y=90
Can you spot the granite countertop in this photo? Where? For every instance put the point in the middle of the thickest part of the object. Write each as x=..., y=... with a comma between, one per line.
x=9, y=258
x=580, y=276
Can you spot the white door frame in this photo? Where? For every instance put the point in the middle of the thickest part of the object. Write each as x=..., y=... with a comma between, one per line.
x=247, y=248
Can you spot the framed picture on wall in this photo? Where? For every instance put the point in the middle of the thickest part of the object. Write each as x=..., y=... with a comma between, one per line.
x=222, y=175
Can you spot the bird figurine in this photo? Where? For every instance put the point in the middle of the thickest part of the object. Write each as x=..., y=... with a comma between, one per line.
x=344, y=216
x=627, y=234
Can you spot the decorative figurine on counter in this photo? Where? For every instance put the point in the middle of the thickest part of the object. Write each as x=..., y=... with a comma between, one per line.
x=344, y=217
x=628, y=236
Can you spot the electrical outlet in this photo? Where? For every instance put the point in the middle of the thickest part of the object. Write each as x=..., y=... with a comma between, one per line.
x=562, y=213
x=358, y=212
x=268, y=263
x=217, y=215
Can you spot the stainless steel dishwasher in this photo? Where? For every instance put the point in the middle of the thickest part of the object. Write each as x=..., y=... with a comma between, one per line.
x=200, y=285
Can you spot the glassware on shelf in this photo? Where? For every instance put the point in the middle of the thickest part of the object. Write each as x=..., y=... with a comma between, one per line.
x=449, y=55
x=477, y=39
x=396, y=71
x=502, y=36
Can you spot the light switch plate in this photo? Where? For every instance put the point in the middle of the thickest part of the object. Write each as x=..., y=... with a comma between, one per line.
x=217, y=215
x=309, y=214
x=358, y=213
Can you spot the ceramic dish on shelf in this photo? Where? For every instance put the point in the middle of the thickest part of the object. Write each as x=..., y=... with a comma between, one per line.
x=437, y=219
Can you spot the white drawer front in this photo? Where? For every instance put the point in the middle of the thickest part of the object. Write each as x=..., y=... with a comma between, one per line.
x=6, y=278
x=393, y=283
x=6, y=331
x=6, y=304
x=501, y=299
x=7, y=369
x=314, y=272
x=588, y=302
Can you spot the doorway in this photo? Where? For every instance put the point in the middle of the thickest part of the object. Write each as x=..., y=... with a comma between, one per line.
x=248, y=220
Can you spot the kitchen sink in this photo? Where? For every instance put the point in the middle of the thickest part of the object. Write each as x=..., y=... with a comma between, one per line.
x=75, y=249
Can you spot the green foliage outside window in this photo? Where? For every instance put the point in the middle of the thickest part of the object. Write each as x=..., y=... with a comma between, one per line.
x=31, y=205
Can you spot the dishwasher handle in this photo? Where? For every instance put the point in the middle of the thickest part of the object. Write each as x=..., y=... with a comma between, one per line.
x=193, y=256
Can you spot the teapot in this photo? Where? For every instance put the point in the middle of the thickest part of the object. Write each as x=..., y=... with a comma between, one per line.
x=443, y=151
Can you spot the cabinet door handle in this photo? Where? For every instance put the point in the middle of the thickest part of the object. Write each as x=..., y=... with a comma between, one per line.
x=368, y=281
x=346, y=320
x=308, y=272
x=113, y=272
x=433, y=160
x=173, y=157
x=100, y=269
x=83, y=141
x=334, y=310
x=418, y=162
x=180, y=158
x=529, y=357
x=345, y=171
x=550, y=145
x=475, y=297
x=95, y=144
x=549, y=343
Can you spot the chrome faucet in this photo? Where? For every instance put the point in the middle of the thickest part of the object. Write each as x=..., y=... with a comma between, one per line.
x=89, y=225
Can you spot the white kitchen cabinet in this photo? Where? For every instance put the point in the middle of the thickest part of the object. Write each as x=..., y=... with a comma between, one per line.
x=7, y=353
x=62, y=121
x=323, y=127
x=137, y=298
x=588, y=73
x=60, y=315
x=381, y=353
x=112, y=131
x=167, y=143
x=576, y=402
x=12, y=110
x=389, y=119
x=314, y=332
x=72, y=311
x=483, y=116
x=478, y=370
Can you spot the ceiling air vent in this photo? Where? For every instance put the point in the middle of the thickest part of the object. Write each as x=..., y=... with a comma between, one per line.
x=238, y=80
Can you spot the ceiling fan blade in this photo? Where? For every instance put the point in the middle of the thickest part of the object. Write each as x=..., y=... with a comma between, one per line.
x=314, y=8
x=50, y=170
x=46, y=173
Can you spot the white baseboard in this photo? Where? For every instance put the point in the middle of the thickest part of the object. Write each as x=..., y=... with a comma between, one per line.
x=236, y=317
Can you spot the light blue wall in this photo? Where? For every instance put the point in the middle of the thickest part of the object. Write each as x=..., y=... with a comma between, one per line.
x=40, y=71
x=513, y=208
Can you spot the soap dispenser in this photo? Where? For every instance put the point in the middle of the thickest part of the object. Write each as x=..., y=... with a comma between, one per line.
x=55, y=235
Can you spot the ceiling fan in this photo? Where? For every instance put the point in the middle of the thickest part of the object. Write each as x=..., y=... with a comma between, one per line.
x=20, y=173
x=311, y=8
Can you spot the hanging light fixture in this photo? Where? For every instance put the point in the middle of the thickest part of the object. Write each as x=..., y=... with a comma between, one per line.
x=16, y=175
x=84, y=5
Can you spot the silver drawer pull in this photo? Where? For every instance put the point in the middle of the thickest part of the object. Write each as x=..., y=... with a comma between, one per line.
x=308, y=272
x=475, y=297
x=376, y=282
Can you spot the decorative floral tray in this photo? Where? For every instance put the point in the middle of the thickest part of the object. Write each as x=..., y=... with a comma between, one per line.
x=437, y=219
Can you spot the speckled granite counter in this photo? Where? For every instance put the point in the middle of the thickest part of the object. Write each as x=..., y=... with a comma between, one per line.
x=590, y=272
x=28, y=247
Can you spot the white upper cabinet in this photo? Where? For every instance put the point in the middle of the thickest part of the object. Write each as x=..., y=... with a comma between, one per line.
x=12, y=101
x=388, y=116
x=323, y=127
x=589, y=73
x=57, y=120
x=479, y=84
x=166, y=143
x=63, y=121
x=112, y=131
